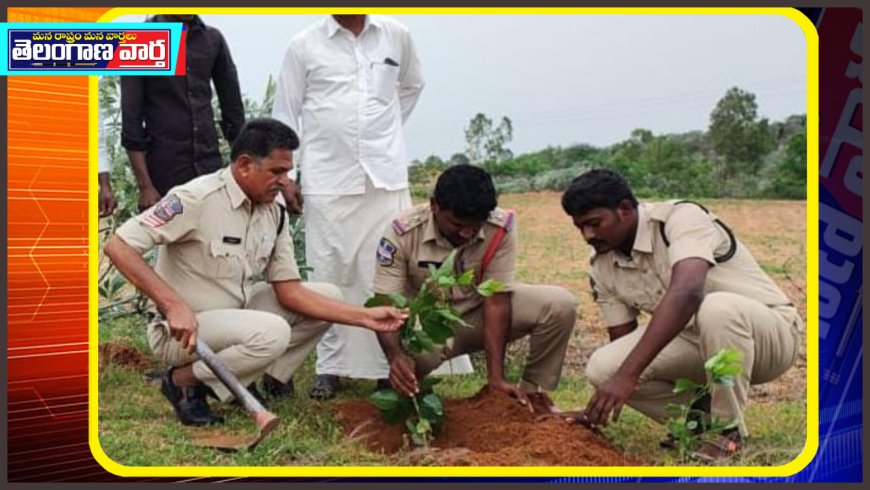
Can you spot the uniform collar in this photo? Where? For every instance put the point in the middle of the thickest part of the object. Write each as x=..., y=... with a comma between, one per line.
x=643, y=235
x=332, y=26
x=642, y=238
x=430, y=233
x=237, y=195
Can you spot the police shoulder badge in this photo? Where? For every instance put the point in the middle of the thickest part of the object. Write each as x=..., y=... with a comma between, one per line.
x=163, y=212
x=386, y=251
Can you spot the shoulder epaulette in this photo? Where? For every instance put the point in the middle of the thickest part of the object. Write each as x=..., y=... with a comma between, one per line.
x=404, y=224
x=503, y=218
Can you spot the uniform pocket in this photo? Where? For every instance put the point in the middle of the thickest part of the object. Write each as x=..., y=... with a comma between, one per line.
x=226, y=260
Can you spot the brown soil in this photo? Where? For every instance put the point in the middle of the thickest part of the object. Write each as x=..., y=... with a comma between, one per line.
x=123, y=355
x=488, y=429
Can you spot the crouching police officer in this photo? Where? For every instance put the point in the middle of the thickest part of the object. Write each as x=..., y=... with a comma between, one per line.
x=217, y=233
x=705, y=292
x=462, y=216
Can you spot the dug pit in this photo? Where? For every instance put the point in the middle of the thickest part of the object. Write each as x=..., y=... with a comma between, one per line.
x=488, y=429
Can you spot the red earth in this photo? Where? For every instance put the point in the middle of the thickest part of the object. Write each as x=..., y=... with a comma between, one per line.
x=488, y=429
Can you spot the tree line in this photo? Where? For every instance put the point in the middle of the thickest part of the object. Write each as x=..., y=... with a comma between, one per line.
x=740, y=155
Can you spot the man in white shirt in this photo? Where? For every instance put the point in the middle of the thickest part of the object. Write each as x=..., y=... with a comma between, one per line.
x=347, y=84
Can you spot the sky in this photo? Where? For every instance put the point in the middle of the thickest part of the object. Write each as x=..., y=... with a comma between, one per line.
x=564, y=79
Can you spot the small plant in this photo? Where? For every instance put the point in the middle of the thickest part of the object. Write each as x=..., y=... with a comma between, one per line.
x=689, y=424
x=430, y=323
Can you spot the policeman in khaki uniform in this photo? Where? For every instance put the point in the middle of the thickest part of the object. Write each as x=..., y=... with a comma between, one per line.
x=462, y=216
x=218, y=234
x=705, y=292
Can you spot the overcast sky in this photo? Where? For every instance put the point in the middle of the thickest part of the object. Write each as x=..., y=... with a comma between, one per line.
x=564, y=79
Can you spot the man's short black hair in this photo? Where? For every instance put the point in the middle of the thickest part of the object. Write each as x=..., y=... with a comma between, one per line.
x=467, y=191
x=259, y=137
x=598, y=188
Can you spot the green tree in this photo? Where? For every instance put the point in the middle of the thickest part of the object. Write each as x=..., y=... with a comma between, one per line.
x=790, y=173
x=485, y=142
x=739, y=137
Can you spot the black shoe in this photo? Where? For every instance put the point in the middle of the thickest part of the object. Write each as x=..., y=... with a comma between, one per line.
x=276, y=389
x=189, y=402
x=324, y=387
x=383, y=384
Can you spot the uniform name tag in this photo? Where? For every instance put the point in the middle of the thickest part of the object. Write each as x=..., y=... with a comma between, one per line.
x=232, y=240
x=425, y=264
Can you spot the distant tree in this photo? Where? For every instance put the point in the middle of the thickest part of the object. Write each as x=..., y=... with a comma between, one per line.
x=458, y=159
x=790, y=174
x=486, y=142
x=739, y=137
x=434, y=161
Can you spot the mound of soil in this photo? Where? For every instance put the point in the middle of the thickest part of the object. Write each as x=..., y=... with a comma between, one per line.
x=123, y=355
x=488, y=429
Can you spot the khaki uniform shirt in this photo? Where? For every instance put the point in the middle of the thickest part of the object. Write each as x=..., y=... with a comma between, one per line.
x=215, y=242
x=412, y=242
x=625, y=286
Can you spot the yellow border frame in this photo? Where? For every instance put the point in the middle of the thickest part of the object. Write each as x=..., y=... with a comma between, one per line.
x=802, y=460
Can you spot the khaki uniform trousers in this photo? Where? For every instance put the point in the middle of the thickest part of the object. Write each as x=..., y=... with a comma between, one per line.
x=545, y=313
x=262, y=338
x=769, y=337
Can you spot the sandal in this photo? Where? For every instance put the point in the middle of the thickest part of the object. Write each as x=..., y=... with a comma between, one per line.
x=324, y=387
x=718, y=447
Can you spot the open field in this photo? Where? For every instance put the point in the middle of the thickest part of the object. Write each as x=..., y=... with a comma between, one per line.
x=137, y=426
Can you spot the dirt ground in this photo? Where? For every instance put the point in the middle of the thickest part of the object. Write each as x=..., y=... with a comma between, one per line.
x=120, y=354
x=488, y=429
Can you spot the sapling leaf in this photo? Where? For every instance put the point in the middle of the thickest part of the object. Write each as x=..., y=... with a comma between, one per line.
x=489, y=287
x=423, y=426
x=446, y=281
x=446, y=268
x=466, y=279
x=428, y=383
x=683, y=384
x=399, y=300
x=439, y=331
x=377, y=300
x=433, y=403
x=385, y=399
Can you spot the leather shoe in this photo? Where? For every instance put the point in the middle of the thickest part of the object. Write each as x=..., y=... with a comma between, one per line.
x=189, y=402
x=276, y=389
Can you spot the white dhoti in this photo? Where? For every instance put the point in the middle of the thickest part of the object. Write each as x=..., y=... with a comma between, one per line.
x=341, y=238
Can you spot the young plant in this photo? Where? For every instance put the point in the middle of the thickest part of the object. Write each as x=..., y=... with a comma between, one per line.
x=430, y=323
x=689, y=424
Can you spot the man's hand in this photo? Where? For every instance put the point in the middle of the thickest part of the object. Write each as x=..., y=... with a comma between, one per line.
x=293, y=197
x=512, y=390
x=402, y=375
x=107, y=201
x=182, y=325
x=148, y=197
x=609, y=398
x=384, y=319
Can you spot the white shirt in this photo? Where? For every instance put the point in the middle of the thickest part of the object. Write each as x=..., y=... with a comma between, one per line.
x=347, y=97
